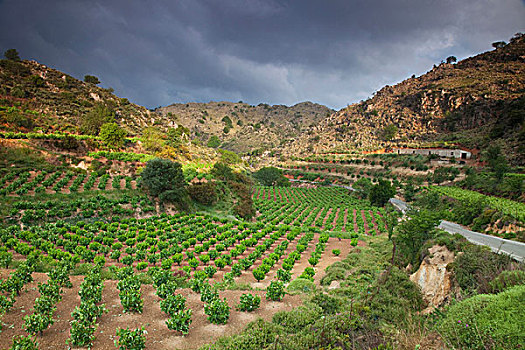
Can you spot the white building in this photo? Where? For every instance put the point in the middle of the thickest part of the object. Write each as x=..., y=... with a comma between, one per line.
x=442, y=152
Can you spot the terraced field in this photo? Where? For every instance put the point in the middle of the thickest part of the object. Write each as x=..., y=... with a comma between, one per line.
x=188, y=262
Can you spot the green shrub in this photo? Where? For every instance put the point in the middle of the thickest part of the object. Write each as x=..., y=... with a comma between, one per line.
x=249, y=302
x=487, y=321
x=302, y=285
x=257, y=335
x=275, y=291
x=396, y=296
x=203, y=193
x=112, y=135
x=218, y=311
x=506, y=280
x=476, y=267
x=214, y=142
x=333, y=273
x=131, y=339
x=164, y=179
x=24, y=343
x=293, y=321
x=329, y=304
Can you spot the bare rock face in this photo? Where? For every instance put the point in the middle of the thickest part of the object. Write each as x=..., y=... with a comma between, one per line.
x=433, y=278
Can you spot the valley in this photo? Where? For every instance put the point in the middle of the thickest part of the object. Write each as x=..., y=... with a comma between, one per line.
x=225, y=225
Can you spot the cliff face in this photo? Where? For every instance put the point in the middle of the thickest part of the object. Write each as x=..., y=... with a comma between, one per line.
x=474, y=102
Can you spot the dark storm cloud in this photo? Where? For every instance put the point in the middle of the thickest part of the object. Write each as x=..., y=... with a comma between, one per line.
x=333, y=52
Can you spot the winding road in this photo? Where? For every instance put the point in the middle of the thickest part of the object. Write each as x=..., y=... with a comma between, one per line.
x=514, y=249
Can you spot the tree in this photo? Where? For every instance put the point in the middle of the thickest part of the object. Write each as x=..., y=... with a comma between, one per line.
x=91, y=79
x=229, y=157
x=203, y=193
x=95, y=118
x=214, y=142
x=112, y=135
x=177, y=135
x=497, y=162
x=381, y=193
x=222, y=171
x=451, y=59
x=164, y=179
x=152, y=139
x=412, y=234
x=389, y=132
x=498, y=44
x=363, y=187
x=12, y=55
x=271, y=176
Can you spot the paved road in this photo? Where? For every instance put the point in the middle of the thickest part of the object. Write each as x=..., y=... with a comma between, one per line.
x=498, y=245
x=399, y=204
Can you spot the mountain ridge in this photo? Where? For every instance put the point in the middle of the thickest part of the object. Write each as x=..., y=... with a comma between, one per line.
x=483, y=93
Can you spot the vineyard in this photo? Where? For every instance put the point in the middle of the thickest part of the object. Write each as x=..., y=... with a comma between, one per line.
x=327, y=208
x=506, y=206
x=172, y=274
x=60, y=181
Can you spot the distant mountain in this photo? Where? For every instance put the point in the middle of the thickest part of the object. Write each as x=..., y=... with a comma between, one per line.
x=475, y=102
x=243, y=128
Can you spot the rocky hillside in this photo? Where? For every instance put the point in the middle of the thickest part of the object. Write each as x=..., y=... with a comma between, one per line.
x=49, y=100
x=474, y=102
x=244, y=128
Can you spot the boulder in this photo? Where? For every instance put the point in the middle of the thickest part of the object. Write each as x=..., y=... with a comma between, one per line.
x=433, y=278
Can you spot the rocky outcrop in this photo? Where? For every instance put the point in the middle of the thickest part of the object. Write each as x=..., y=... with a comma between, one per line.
x=482, y=95
x=433, y=278
x=244, y=128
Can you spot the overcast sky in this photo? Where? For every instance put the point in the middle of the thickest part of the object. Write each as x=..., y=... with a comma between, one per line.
x=334, y=52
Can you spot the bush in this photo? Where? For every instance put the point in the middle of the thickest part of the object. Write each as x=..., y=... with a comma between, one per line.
x=486, y=321
x=112, y=135
x=477, y=267
x=275, y=291
x=295, y=320
x=506, y=280
x=203, y=193
x=302, y=285
x=214, y=142
x=336, y=252
x=24, y=343
x=249, y=302
x=284, y=275
x=218, y=311
x=329, y=304
x=396, y=296
x=271, y=176
x=164, y=179
x=131, y=339
x=180, y=321
x=333, y=274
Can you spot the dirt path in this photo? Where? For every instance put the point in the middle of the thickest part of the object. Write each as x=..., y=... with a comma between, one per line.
x=303, y=263
x=328, y=258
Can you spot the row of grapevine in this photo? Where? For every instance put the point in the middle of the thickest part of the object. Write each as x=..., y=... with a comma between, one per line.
x=22, y=183
x=506, y=206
